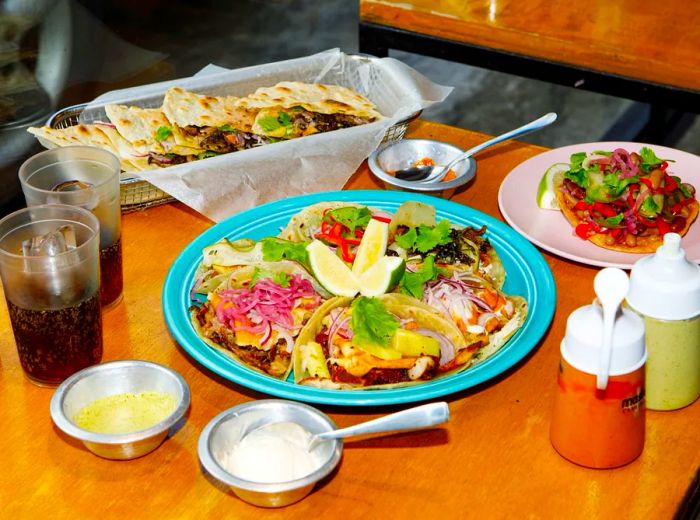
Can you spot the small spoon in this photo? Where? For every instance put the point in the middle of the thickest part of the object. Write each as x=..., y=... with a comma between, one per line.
x=611, y=286
x=430, y=174
x=414, y=418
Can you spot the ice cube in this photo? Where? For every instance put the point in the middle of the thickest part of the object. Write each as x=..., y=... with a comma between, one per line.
x=51, y=244
x=83, y=194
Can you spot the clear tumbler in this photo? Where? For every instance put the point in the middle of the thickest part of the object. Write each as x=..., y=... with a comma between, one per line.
x=87, y=177
x=49, y=265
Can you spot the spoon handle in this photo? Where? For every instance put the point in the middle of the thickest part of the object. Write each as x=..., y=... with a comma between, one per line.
x=541, y=122
x=412, y=419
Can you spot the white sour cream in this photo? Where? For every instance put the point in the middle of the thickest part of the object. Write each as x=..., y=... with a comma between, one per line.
x=274, y=453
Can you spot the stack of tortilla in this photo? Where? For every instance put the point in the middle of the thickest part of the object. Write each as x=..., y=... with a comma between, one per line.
x=190, y=126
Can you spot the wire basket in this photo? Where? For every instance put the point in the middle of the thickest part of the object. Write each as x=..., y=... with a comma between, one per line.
x=138, y=194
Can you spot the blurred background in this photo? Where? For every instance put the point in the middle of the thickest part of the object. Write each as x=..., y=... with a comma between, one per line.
x=56, y=53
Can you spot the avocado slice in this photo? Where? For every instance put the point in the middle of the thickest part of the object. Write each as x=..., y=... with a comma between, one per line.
x=413, y=344
x=379, y=351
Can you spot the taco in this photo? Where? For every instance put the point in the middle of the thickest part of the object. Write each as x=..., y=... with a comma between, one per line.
x=378, y=342
x=625, y=201
x=307, y=223
x=486, y=316
x=214, y=124
x=295, y=109
x=256, y=313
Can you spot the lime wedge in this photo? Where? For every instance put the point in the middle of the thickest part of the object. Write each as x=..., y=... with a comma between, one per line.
x=383, y=276
x=372, y=247
x=546, y=192
x=330, y=271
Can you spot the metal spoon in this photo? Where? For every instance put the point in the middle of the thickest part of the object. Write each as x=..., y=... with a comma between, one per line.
x=414, y=418
x=430, y=174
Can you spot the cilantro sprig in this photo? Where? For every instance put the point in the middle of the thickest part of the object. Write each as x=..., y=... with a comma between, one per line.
x=424, y=238
x=371, y=322
x=163, y=133
x=412, y=283
x=350, y=217
x=276, y=249
x=280, y=278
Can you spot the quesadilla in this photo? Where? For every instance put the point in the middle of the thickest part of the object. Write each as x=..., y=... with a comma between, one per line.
x=99, y=135
x=294, y=109
x=211, y=123
x=150, y=133
x=625, y=201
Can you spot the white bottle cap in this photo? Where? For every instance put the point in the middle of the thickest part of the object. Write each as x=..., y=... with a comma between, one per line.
x=666, y=285
x=582, y=346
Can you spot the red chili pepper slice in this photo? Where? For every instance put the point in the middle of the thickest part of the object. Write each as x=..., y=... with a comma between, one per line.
x=583, y=230
x=581, y=205
x=647, y=183
x=630, y=194
x=663, y=227
x=670, y=183
x=663, y=166
x=605, y=209
x=381, y=218
x=646, y=221
x=345, y=250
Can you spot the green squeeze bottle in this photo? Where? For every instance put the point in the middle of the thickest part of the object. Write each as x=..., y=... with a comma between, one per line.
x=665, y=292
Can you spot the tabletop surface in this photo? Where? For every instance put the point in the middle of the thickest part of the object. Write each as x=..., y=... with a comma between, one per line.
x=642, y=39
x=492, y=460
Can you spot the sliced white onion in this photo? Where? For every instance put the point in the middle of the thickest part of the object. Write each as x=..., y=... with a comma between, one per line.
x=286, y=336
x=266, y=335
x=447, y=349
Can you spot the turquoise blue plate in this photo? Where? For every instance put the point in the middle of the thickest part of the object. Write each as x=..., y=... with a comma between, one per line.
x=527, y=275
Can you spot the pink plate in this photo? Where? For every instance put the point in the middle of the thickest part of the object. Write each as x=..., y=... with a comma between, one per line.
x=548, y=229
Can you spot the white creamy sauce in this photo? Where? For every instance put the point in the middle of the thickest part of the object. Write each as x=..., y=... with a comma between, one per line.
x=274, y=453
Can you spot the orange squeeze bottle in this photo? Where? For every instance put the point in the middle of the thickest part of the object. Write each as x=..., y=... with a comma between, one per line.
x=598, y=419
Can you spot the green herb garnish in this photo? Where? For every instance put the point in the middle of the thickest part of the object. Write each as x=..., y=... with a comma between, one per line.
x=276, y=249
x=350, y=217
x=371, y=323
x=206, y=154
x=280, y=278
x=227, y=128
x=424, y=238
x=614, y=221
x=269, y=123
x=412, y=283
x=163, y=133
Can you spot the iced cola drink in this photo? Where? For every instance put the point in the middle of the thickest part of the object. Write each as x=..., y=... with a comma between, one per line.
x=49, y=264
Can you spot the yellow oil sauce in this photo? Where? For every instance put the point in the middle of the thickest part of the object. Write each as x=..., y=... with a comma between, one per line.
x=124, y=413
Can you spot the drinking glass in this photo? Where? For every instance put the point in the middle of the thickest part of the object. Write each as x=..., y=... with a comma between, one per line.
x=87, y=177
x=49, y=266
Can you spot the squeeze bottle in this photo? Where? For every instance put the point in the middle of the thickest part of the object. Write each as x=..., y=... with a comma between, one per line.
x=598, y=419
x=665, y=291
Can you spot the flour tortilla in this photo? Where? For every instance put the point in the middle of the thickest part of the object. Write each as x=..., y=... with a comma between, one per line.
x=184, y=108
x=90, y=135
x=405, y=308
x=237, y=278
x=139, y=126
x=304, y=224
x=315, y=97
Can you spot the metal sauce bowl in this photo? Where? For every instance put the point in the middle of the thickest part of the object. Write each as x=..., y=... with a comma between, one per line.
x=398, y=155
x=117, y=377
x=227, y=429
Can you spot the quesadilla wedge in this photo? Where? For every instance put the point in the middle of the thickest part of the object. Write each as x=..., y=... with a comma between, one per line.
x=367, y=343
x=255, y=315
x=151, y=134
x=99, y=135
x=215, y=124
x=625, y=201
x=295, y=109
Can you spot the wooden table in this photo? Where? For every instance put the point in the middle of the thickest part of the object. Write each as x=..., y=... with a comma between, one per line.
x=492, y=460
x=642, y=50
